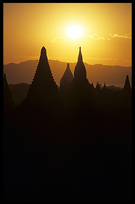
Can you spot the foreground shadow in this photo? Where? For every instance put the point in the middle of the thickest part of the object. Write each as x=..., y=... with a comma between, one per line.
x=68, y=144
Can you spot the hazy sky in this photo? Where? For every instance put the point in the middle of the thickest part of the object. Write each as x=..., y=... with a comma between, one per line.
x=106, y=32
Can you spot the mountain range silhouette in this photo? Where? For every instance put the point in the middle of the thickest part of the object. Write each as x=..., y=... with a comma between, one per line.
x=24, y=72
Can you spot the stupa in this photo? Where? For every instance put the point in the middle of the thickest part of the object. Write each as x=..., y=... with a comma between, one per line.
x=43, y=87
x=66, y=79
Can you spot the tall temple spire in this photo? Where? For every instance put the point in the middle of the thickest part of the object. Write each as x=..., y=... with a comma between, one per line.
x=43, y=54
x=68, y=66
x=80, y=71
x=80, y=55
x=79, y=91
x=43, y=86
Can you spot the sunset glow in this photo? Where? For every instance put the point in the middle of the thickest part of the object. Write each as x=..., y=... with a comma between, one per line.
x=103, y=30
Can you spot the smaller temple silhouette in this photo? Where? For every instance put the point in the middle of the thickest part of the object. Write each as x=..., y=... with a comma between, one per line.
x=127, y=94
x=127, y=87
x=104, y=87
x=92, y=85
x=66, y=79
x=98, y=87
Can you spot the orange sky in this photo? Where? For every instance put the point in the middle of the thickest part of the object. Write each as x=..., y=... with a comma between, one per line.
x=106, y=27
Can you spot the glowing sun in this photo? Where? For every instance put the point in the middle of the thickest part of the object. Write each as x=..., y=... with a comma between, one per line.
x=74, y=31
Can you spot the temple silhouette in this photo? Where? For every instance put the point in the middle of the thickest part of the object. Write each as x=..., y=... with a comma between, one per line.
x=104, y=87
x=66, y=79
x=43, y=88
x=80, y=70
x=67, y=143
x=79, y=90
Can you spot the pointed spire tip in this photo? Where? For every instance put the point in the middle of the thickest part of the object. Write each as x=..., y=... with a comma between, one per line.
x=43, y=51
x=43, y=48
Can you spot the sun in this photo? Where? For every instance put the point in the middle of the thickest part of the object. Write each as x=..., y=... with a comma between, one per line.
x=74, y=31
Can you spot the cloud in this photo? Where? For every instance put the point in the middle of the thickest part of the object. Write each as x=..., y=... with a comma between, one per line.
x=96, y=37
x=126, y=36
x=59, y=39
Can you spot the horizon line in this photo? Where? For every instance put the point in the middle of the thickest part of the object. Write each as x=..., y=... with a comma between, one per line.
x=66, y=62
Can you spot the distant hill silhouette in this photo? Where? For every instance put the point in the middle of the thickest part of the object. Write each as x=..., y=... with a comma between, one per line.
x=24, y=72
